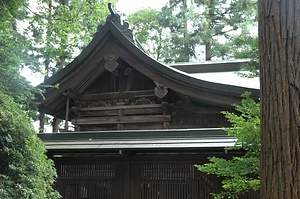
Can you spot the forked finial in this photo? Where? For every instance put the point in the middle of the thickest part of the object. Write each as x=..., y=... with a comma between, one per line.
x=110, y=9
x=116, y=19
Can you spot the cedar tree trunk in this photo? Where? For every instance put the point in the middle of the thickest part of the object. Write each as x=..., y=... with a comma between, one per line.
x=279, y=37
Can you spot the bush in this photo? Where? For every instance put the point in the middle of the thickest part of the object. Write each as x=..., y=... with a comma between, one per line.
x=240, y=174
x=25, y=170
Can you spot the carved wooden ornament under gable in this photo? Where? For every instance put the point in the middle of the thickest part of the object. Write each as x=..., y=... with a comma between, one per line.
x=111, y=62
x=160, y=90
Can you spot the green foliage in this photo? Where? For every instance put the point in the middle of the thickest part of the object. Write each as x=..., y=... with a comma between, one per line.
x=183, y=28
x=245, y=46
x=239, y=174
x=249, y=50
x=61, y=29
x=146, y=24
x=13, y=56
x=9, y=8
x=25, y=170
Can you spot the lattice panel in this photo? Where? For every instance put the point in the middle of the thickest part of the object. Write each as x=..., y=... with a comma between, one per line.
x=87, y=181
x=138, y=180
x=102, y=171
x=166, y=181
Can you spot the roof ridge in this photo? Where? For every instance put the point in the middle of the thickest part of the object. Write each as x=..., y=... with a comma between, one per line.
x=123, y=26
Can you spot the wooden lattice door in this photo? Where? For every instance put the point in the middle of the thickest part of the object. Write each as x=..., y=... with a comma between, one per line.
x=89, y=181
x=94, y=178
x=171, y=181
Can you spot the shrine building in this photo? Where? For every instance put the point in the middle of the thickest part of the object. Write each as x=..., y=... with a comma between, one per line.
x=136, y=127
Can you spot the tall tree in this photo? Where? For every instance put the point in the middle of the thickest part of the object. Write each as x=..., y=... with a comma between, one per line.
x=279, y=46
x=146, y=24
x=10, y=8
x=207, y=23
x=13, y=52
x=221, y=19
x=60, y=29
x=25, y=170
x=176, y=17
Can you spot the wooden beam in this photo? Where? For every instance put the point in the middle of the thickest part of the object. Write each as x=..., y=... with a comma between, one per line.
x=72, y=94
x=145, y=111
x=118, y=107
x=67, y=113
x=117, y=95
x=121, y=120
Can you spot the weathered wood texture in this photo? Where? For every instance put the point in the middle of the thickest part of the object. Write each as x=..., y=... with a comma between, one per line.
x=122, y=119
x=124, y=99
x=171, y=176
x=134, y=179
x=279, y=38
x=178, y=114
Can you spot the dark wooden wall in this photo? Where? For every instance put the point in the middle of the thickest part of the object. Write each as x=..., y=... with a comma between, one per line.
x=125, y=99
x=152, y=177
x=160, y=176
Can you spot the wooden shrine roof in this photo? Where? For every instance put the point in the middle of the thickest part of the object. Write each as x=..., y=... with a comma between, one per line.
x=115, y=40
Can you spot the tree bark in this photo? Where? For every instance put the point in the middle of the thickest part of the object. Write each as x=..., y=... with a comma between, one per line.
x=186, y=39
x=208, y=51
x=279, y=38
x=210, y=18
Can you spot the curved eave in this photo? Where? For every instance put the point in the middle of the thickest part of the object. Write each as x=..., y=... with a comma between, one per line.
x=174, y=75
x=218, y=94
x=77, y=62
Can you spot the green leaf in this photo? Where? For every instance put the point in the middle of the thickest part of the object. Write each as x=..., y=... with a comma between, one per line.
x=239, y=174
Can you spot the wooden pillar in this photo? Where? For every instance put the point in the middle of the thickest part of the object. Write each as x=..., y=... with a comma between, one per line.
x=121, y=89
x=55, y=124
x=42, y=122
x=120, y=114
x=166, y=125
x=67, y=114
x=135, y=181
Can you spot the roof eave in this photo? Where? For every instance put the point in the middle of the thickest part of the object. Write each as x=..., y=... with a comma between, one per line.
x=179, y=139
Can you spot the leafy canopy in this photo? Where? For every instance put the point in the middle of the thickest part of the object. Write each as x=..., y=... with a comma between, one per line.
x=25, y=170
x=60, y=29
x=240, y=174
x=146, y=24
x=13, y=56
x=186, y=30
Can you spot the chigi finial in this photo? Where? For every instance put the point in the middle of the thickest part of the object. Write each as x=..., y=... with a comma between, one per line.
x=111, y=10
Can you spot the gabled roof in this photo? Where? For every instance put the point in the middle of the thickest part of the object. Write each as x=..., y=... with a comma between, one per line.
x=112, y=39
